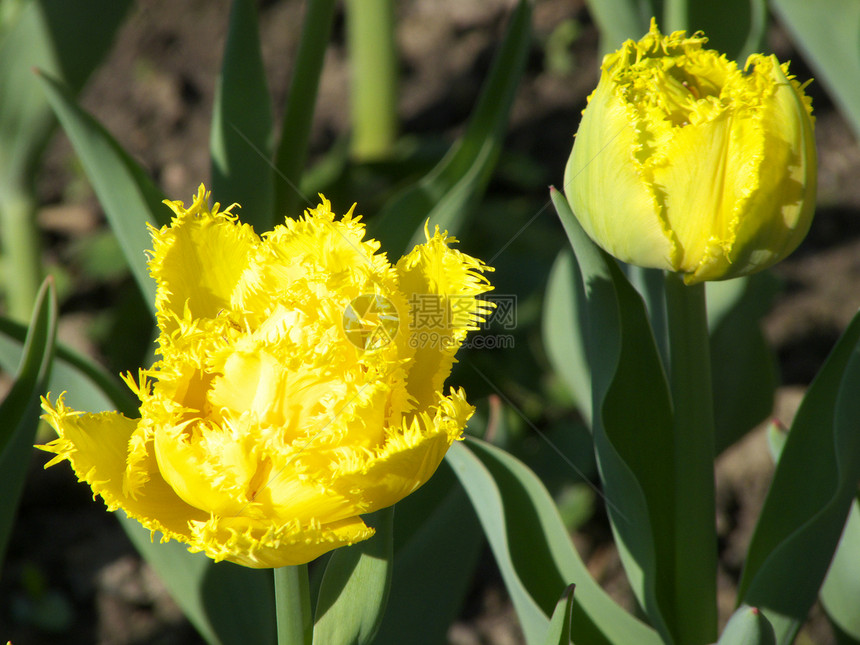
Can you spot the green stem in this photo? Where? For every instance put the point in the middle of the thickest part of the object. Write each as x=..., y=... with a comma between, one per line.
x=676, y=16
x=22, y=257
x=293, y=605
x=695, y=590
x=373, y=61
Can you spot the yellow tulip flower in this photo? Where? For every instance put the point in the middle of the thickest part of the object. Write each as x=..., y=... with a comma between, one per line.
x=291, y=395
x=685, y=162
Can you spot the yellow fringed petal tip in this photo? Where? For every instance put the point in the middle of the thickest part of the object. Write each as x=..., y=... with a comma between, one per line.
x=683, y=161
x=300, y=385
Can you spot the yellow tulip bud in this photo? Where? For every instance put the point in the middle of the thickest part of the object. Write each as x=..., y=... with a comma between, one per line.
x=299, y=385
x=687, y=163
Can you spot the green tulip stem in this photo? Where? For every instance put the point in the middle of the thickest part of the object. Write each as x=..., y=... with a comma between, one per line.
x=695, y=588
x=676, y=16
x=22, y=259
x=293, y=605
x=373, y=64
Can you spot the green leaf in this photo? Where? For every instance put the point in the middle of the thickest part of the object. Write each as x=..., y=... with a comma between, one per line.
x=560, y=624
x=841, y=587
x=448, y=192
x=827, y=33
x=747, y=626
x=777, y=435
x=632, y=425
x=67, y=39
x=743, y=372
x=564, y=330
x=227, y=604
x=129, y=198
x=733, y=27
x=241, y=137
x=64, y=39
x=355, y=587
x=619, y=20
x=299, y=111
x=533, y=549
x=20, y=409
x=87, y=384
x=433, y=562
x=811, y=494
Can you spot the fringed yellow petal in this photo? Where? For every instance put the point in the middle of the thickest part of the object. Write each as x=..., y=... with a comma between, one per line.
x=409, y=457
x=291, y=396
x=198, y=260
x=443, y=284
x=95, y=445
x=262, y=546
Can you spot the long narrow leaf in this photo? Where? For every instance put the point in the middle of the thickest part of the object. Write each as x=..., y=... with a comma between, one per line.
x=446, y=194
x=19, y=411
x=827, y=33
x=355, y=587
x=534, y=552
x=87, y=385
x=241, y=136
x=564, y=330
x=434, y=564
x=67, y=40
x=744, y=373
x=298, y=115
x=489, y=505
x=560, y=623
x=841, y=589
x=129, y=198
x=632, y=425
x=803, y=516
x=64, y=39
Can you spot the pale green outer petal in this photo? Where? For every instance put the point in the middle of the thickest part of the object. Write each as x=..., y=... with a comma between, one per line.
x=606, y=192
